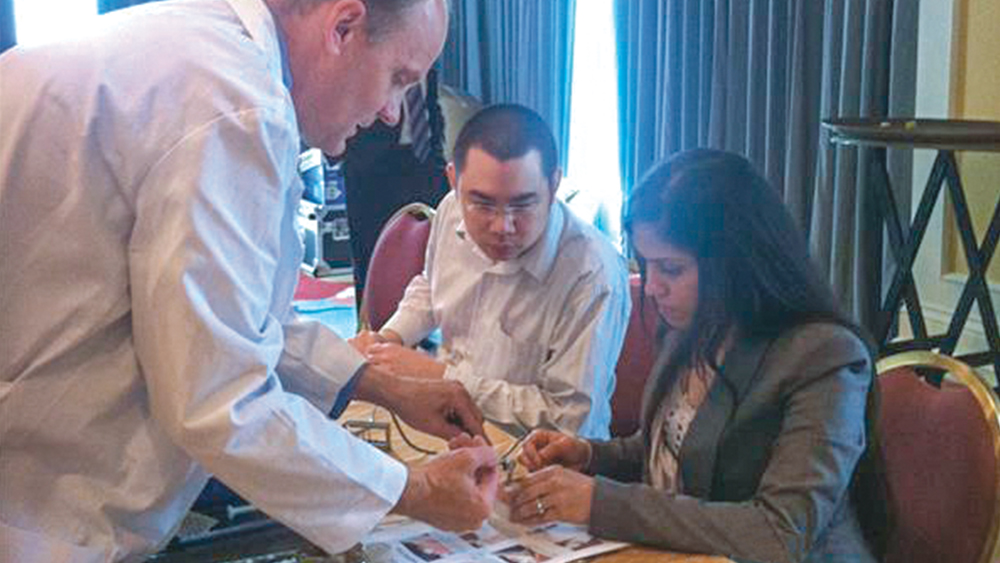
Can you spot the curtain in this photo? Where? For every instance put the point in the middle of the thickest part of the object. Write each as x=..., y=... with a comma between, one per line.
x=514, y=51
x=757, y=77
x=105, y=6
x=8, y=37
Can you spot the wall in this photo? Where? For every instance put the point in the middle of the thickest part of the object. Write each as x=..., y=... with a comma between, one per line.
x=957, y=77
x=975, y=84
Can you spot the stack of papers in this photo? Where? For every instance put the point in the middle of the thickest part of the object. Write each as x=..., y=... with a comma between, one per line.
x=401, y=540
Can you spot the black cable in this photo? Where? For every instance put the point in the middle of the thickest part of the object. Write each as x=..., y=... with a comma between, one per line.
x=406, y=439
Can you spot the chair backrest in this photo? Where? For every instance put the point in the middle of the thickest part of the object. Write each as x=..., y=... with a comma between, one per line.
x=397, y=257
x=634, y=363
x=941, y=447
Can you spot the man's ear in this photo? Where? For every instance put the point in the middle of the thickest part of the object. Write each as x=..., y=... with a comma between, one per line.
x=344, y=21
x=452, y=176
x=554, y=181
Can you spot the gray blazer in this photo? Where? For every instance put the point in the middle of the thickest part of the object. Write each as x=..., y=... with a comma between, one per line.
x=766, y=464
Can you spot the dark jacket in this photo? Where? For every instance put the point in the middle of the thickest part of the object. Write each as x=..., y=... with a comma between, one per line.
x=766, y=464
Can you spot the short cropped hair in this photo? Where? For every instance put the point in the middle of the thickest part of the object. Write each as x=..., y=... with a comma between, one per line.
x=507, y=131
x=383, y=15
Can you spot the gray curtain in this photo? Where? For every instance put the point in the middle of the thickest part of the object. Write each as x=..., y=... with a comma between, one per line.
x=757, y=77
x=514, y=51
x=8, y=38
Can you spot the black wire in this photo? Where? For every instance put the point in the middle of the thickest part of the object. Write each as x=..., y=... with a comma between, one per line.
x=406, y=439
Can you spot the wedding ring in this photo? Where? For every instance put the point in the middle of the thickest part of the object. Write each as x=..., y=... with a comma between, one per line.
x=539, y=506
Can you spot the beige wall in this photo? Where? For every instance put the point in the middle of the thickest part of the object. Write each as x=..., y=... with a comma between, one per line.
x=976, y=95
x=957, y=51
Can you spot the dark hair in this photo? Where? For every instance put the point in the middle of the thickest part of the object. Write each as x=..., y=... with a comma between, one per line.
x=754, y=266
x=506, y=131
x=755, y=275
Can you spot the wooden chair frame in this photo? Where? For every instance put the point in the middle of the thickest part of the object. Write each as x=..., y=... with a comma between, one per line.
x=988, y=403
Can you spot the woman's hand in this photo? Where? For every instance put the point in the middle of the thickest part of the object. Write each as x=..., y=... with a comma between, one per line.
x=547, y=447
x=554, y=493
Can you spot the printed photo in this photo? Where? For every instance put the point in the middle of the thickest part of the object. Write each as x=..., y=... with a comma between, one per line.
x=520, y=554
x=427, y=547
x=484, y=537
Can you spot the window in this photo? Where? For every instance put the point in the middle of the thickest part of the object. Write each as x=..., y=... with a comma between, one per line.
x=40, y=21
x=593, y=184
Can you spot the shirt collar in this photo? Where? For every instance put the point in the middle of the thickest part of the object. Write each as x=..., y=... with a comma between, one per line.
x=538, y=260
x=264, y=30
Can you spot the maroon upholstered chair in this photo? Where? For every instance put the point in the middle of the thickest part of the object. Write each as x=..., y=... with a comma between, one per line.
x=397, y=257
x=942, y=455
x=634, y=363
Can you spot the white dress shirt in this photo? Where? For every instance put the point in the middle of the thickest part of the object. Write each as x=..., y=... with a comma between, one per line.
x=535, y=339
x=148, y=258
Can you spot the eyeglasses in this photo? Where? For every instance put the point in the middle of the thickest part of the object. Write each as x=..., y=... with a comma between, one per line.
x=490, y=210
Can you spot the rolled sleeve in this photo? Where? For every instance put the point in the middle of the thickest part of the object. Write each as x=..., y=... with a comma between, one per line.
x=316, y=363
x=414, y=318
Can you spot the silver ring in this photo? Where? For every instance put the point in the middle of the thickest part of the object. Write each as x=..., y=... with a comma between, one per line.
x=539, y=506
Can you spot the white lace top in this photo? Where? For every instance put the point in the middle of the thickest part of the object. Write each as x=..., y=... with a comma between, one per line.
x=670, y=426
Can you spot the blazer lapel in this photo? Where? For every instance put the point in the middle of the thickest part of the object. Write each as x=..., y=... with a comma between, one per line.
x=698, y=452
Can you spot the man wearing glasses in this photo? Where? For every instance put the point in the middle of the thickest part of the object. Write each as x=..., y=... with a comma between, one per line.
x=532, y=302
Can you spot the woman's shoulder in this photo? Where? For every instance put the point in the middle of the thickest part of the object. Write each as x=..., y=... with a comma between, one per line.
x=822, y=334
x=819, y=347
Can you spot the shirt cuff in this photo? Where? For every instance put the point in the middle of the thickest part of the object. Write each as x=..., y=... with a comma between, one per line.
x=316, y=363
x=346, y=393
x=410, y=328
x=471, y=383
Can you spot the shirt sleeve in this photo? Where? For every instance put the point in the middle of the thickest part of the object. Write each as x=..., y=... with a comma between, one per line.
x=414, y=318
x=316, y=363
x=620, y=458
x=214, y=222
x=576, y=378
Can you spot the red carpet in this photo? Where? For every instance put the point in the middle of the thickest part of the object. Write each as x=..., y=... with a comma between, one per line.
x=311, y=289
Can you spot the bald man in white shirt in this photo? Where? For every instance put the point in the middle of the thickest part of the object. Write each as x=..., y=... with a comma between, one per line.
x=532, y=302
x=148, y=258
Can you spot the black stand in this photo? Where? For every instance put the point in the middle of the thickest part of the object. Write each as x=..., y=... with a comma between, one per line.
x=946, y=136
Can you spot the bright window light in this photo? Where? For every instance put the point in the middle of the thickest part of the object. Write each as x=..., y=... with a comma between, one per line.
x=42, y=21
x=593, y=184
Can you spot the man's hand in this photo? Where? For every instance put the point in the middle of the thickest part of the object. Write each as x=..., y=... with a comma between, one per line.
x=554, y=493
x=435, y=406
x=454, y=491
x=546, y=447
x=402, y=361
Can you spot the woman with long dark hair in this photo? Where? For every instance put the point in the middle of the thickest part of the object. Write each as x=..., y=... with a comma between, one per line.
x=757, y=439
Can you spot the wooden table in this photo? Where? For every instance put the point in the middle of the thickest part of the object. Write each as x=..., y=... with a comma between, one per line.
x=367, y=413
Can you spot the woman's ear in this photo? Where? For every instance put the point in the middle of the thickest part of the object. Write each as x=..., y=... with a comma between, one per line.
x=452, y=176
x=343, y=23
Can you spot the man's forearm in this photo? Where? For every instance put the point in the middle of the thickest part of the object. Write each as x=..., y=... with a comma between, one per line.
x=374, y=386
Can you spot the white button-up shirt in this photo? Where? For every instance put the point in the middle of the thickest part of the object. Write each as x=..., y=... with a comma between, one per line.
x=148, y=258
x=535, y=339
